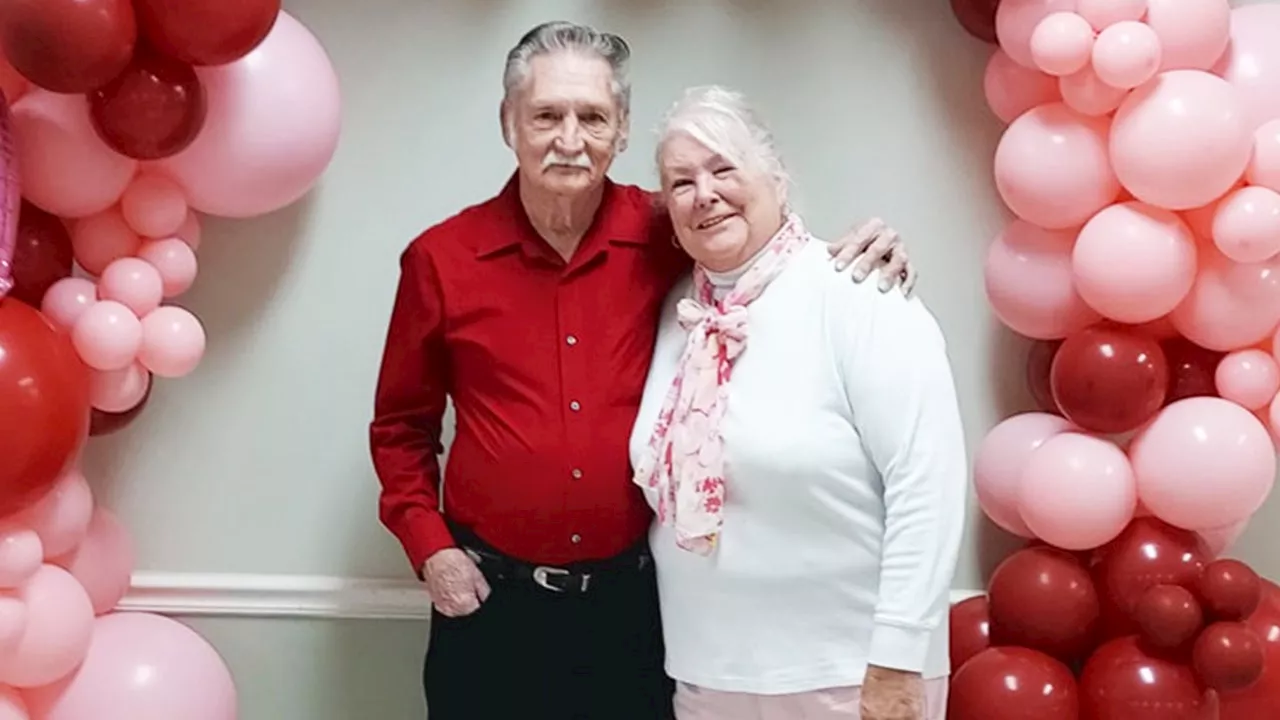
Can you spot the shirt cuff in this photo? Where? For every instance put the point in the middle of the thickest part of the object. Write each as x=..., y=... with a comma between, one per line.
x=898, y=648
x=427, y=535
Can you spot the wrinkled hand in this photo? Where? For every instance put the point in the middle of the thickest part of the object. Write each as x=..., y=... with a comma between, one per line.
x=454, y=583
x=892, y=695
x=875, y=245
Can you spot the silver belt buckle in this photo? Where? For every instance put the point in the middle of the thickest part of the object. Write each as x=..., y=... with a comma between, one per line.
x=542, y=573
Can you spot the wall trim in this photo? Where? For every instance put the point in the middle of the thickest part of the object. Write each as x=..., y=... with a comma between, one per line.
x=289, y=596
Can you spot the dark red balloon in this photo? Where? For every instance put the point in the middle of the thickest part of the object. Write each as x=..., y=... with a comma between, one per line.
x=1262, y=699
x=206, y=32
x=1013, y=683
x=44, y=404
x=1230, y=590
x=42, y=255
x=1191, y=369
x=1147, y=553
x=68, y=46
x=1109, y=379
x=977, y=17
x=1121, y=681
x=152, y=110
x=104, y=423
x=1039, y=363
x=1168, y=617
x=1042, y=598
x=970, y=630
x=1228, y=656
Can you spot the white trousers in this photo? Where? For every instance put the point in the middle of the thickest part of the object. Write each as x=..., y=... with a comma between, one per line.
x=695, y=703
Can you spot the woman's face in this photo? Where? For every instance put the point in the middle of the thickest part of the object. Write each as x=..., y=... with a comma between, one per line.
x=723, y=214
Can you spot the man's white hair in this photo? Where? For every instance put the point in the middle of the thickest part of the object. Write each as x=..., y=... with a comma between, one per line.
x=725, y=123
x=562, y=36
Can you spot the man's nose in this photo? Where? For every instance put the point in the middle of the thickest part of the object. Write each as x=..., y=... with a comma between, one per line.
x=570, y=138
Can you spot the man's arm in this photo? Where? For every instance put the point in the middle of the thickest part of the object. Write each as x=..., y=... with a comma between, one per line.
x=409, y=406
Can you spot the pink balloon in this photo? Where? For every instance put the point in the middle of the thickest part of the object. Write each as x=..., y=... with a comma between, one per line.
x=1220, y=540
x=172, y=342
x=1134, y=262
x=175, y=260
x=1252, y=61
x=1200, y=219
x=1250, y=378
x=142, y=667
x=1001, y=461
x=1181, y=141
x=104, y=562
x=1052, y=167
x=134, y=283
x=1193, y=33
x=61, y=516
x=154, y=206
x=67, y=299
x=102, y=239
x=12, y=706
x=272, y=127
x=117, y=391
x=59, y=623
x=1085, y=93
x=21, y=554
x=1077, y=491
x=1203, y=463
x=1231, y=305
x=13, y=623
x=1012, y=89
x=107, y=336
x=1105, y=13
x=1062, y=43
x=1016, y=22
x=1126, y=54
x=1246, y=226
x=190, y=231
x=66, y=168
x=1030, y=284
x=1264, y=165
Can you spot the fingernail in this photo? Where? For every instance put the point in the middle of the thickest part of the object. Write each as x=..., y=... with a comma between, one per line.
x=842, y=264
x=859, y=274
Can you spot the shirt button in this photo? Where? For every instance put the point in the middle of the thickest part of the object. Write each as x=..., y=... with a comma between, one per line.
x=577, y=474
x=574, y=406
x=572, y=340
x=575, y=539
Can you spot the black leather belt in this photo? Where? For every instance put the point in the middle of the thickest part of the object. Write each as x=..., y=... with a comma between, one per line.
x=574, y=579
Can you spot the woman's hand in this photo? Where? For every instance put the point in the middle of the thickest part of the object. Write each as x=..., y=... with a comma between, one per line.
x=875, y=246
x=892, y=695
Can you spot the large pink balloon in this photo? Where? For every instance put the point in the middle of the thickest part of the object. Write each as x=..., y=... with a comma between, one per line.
x=1077, y=491
x=1231, y=305
x=103, y=562
x=1252, y=61
x=1052, y=167
x=11, y=705
x=1203, y=463
x=1193, y=33
x=1030, y=285
x=142, y=667
x=1012, y=89
x=1134, y=262
x=59, y=621
x=1181, y=140
x=1016, y=22
x=272, y=127
x=1001, y=461
x=66, y=169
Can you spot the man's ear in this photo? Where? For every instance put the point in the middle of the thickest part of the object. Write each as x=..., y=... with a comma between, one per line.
x=504, y=124
x=624, y=133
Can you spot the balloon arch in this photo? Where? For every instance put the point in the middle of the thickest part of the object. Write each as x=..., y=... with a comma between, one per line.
x=121, y=123
x=1141, y=167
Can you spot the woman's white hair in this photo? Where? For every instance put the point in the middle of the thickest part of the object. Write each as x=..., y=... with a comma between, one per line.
x=725, y=123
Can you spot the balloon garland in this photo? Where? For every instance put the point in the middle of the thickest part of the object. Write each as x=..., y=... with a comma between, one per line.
x=121, y=122
x=1141, y=166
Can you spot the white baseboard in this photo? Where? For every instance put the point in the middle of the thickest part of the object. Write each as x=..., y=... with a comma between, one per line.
x=288, y=596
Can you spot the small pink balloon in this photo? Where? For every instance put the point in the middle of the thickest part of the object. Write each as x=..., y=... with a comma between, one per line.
x=1220, y=540
x=176, y=262
x=107, y=336
x=1264, y=165
x=173, y=342
x=1193, y=33
x=1200, y=219
x=154, y=206
x=1085, y=93
x=190, y=231
x=13, y=625
x=103, y=562
x=1250, y=378
x=1062, y=43
x=59, y=624
x=21, y=554
x=67, y=299
x=12, y=706
x=1001, y=460
x=1030, y=284
x=1231, y=305
x=134, y=283
x=102, y=239
x=1077, y=491
x=1102, y=14
x=1246, y=226
x=1011, y=89
x=117, y=391
x=61, y=516
x=1017, y=20
x=1126, y=54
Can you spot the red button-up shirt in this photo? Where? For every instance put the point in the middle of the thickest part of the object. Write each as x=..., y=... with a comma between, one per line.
x=545, y=362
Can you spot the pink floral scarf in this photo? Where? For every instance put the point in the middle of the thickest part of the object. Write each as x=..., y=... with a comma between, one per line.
x=684, y=463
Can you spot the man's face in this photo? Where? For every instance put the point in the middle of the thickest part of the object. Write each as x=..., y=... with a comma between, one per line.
x=564, y=124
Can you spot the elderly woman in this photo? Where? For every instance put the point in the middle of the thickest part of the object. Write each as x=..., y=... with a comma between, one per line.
x=800, y=442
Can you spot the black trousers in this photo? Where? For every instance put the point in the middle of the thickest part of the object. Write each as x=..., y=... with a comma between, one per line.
x=530, y=653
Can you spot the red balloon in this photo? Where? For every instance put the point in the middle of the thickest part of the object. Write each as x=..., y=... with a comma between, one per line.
x=1168, y=617
x=152, y=110
x=977, y=17
x=1109, y=379
x=1228, y=656
x=1013, y=683
x=42, y=255
x=970, y=630
x=68, y=46
x=1230, y=589
x=104, y=423
x=1262, y=699
x=1191, y=369
x=1039, y=363
x=207, y=32
x=1147, y=553
x=1123, y=682
x=44, y=393
x=1042, y=598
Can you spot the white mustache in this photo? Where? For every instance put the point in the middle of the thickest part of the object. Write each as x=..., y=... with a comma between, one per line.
x=555, y=157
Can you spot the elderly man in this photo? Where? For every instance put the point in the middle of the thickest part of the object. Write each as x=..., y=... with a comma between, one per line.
x=536, y=311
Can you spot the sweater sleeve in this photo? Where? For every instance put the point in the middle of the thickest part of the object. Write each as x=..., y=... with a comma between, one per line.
x=899, y=385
